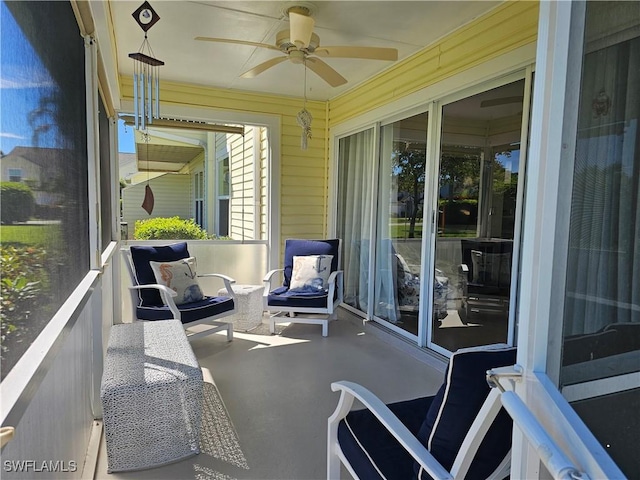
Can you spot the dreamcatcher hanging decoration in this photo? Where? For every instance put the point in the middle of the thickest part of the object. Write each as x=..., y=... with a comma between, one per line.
x=304, y=117
x=146, y=80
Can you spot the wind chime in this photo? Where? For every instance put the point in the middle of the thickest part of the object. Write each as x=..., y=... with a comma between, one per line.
x=304, y=116
x=146, y=86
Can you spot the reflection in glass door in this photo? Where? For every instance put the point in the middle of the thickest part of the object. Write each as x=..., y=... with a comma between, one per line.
x=477, y=191
x=399, y=225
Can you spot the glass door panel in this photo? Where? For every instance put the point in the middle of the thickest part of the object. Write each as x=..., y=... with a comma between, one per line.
x=355, y=204
x=600, y=356
x=398, y=260
x=477, y=191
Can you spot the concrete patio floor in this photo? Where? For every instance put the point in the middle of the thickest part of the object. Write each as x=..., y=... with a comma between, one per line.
x=276, y=398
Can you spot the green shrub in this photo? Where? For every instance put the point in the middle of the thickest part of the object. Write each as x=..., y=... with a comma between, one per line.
x=17, y=201
x=174, y=228
x=22, y=288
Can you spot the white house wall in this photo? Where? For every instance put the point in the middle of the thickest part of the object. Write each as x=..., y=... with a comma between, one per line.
x=172, y=197
x=30, y=171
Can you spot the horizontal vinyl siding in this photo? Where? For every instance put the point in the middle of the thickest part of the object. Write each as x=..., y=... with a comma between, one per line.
x=264, y=186
x=293, y=159
x=241, y=165
x=507, y=27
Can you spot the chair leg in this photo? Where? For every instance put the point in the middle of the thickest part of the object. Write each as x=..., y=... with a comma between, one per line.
x=325, y=328
x=229, y=332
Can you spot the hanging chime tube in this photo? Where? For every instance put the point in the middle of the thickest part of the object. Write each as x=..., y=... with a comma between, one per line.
x=150, y=105
x=135, y=94
x=142, y=97
x=157, y=114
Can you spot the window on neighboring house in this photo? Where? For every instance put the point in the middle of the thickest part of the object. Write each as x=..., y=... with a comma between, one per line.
x=15, y=174
x=43, y=56
x=198, y=181
x=223, y=197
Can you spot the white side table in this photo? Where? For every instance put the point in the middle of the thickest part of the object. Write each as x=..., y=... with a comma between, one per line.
x=249, y=306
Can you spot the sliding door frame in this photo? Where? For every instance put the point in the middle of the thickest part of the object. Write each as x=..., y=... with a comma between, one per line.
x=438, y=105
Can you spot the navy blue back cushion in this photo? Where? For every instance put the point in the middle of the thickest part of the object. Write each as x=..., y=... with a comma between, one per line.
x=141, y=256
x=296, y=247
x=457, y=404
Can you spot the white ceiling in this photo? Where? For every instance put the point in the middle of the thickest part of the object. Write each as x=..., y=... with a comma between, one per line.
x=406, y=26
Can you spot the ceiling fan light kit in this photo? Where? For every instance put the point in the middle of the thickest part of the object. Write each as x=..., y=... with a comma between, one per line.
x=301, y=45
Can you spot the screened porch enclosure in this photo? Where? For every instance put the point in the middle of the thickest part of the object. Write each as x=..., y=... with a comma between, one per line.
x=421, y=172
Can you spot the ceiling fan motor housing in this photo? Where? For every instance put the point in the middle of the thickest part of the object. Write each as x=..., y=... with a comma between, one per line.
x=284, y=43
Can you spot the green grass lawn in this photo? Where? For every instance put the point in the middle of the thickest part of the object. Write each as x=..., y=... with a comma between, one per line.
x=399, y=228
x=46, y=235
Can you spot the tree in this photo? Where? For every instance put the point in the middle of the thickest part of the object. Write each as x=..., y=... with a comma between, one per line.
x=408, y=166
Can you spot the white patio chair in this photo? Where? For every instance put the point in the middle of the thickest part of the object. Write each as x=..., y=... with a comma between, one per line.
x=164, y=286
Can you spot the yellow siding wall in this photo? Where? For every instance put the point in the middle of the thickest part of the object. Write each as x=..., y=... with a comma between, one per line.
x=303, y=173
x=507, y=27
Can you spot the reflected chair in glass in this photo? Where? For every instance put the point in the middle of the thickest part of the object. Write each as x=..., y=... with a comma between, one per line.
x=486, y=277
x=152, y=299
x=312, y=284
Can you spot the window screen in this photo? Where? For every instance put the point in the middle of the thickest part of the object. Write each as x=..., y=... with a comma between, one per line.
x=45, y=233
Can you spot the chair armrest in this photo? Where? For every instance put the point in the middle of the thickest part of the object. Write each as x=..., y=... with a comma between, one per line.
x=336, y=282
x=167, y=296
x=350, y=391
x=228, y=281
x=268, y=279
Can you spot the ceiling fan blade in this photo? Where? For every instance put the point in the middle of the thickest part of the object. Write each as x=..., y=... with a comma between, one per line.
x=258, y=69
x=494, y=102
x=325, y=72
x=369, y=53
x=300, y=29
x=237, y=42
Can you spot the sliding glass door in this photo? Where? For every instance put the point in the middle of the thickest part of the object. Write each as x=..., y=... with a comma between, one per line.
x=356, y=201
x=477, y=193
x=428, y=216
x=399, y=223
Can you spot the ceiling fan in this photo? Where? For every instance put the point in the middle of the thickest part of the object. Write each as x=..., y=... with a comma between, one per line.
x=301, y=45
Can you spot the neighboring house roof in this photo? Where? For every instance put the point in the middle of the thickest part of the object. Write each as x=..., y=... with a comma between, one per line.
x=128, y=168
x=46, y=158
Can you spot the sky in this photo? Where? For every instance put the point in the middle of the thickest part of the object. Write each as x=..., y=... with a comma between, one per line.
x=126, y=142
x=24, y=83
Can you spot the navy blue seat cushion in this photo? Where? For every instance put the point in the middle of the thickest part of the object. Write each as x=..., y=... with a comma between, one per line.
x=457, y=404
x=371, y=450
x=142, y=255
x=296, y=247
x=283, y=297
x=189, y=312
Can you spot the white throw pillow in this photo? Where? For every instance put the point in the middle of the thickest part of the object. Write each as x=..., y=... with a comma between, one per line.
x=179, y=276
x=311, y=273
